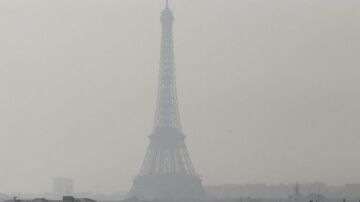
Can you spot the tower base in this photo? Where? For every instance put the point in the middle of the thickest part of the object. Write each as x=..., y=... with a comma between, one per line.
x=168, y=187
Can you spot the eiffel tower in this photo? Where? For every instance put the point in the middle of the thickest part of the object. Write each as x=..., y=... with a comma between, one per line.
x=167, y=171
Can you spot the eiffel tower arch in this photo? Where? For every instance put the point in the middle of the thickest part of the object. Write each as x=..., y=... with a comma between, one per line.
x=167, y=171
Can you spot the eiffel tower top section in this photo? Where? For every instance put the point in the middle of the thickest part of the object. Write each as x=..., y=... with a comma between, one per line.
x=167, y=111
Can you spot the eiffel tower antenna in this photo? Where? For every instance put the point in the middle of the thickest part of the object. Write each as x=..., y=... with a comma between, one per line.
x=167, y=170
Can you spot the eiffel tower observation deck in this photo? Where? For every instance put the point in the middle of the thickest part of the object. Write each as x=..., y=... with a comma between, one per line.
x=167, y=172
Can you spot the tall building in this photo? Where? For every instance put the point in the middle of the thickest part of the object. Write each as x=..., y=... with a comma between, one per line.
x=296, y=197
x=297, y=190
x=167, y=171
x=63, y=187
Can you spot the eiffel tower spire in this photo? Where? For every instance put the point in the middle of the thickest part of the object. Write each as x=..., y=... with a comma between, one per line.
x=167, y=170
x=167, y=152
x=167, y=110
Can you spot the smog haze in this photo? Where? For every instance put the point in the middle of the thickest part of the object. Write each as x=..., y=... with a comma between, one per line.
x=268, y=91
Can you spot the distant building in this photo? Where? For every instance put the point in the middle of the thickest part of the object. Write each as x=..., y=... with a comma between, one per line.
x=63, y=187
x=65, y=199
x=296, y=196
x=3, y=197
x=315, y=198
x=352, y=191
x=288, y=192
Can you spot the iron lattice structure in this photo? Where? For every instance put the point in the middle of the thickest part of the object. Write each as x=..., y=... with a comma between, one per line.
x=167, y=171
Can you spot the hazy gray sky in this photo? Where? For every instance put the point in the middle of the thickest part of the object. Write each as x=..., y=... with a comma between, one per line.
x=268, y=90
